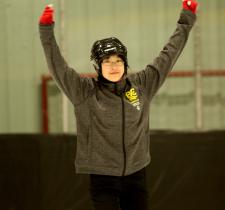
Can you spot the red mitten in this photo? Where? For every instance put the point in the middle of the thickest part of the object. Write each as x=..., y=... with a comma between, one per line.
x=190, y=5
x=47, y=15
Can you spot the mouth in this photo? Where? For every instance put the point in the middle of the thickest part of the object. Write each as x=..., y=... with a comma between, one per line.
x=112, y=73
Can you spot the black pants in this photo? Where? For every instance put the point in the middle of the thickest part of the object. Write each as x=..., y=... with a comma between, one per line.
x=115, y=193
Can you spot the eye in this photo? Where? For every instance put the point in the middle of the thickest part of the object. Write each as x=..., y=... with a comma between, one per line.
x=119, y=62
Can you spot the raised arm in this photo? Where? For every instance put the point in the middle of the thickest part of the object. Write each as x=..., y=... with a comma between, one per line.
x=155, y=73
x=68, y=80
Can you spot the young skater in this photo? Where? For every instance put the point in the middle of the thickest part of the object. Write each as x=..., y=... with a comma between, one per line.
x=112, y=111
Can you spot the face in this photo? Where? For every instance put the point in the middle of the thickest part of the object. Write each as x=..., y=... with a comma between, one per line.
x=113, y=68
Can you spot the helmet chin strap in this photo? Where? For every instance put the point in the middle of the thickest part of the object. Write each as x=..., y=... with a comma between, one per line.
x=96, y=66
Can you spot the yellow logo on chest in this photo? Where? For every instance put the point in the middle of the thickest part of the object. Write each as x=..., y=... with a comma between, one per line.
x=132, y=96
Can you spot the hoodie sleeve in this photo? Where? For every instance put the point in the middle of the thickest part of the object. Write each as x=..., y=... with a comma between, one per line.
x=153, y=76
x=68, y=80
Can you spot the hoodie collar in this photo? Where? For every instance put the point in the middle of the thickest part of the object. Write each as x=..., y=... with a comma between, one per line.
x=116, y=87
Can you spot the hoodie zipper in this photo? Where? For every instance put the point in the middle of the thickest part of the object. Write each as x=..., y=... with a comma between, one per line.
x=123, y=136
x=123, y=130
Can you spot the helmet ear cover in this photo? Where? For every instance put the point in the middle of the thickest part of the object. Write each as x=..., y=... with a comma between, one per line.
x=107, y=47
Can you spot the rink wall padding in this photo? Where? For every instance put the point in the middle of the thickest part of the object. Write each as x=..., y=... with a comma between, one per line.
x=187, y=172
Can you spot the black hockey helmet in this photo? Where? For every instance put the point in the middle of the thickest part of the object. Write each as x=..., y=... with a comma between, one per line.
x=107, y=47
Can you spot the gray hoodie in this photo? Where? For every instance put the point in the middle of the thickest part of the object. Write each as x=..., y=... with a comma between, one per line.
x=113, y=118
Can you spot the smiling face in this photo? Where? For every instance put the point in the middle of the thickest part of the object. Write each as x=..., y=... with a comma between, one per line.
x=112, y=68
